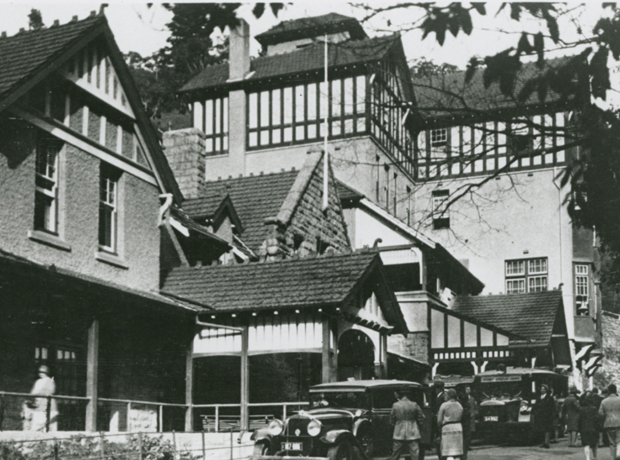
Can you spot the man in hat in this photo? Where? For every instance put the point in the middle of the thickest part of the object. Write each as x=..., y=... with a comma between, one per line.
x=570, y=416
x=407, y=417
x=610, y=412
x=542, y=414
x=41, y=413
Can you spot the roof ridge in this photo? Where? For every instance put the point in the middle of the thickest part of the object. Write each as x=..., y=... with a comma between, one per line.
x=23, y=32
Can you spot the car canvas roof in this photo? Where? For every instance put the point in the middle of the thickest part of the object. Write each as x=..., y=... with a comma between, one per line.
x=520, y=371
x=361, y=385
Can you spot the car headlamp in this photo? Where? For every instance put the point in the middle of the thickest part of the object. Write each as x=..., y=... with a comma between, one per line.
x=314, y=427
x=275, y=427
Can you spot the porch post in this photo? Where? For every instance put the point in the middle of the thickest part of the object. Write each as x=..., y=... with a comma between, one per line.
x=384, y=355
x=245, y=380
x=327, y=362
x=92, y=371
x=189, y=387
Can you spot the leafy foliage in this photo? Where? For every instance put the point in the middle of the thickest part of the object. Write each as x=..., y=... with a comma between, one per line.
x=35, y=20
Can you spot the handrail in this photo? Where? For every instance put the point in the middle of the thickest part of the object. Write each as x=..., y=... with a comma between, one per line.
x=274, y=404
x=148, y=403
x=37, y=395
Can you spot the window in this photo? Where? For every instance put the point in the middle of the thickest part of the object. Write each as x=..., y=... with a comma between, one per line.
x=46, y=194
x=108, y=208
x=526, y=275
x=582, y=283
x=439, y=137
x=215, y=124
x=441, y=216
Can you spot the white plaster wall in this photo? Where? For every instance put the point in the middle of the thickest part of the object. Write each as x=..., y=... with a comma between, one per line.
x=514, y=217
x=368, y=229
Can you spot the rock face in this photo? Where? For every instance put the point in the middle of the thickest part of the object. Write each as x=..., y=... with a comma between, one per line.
x=610, y=365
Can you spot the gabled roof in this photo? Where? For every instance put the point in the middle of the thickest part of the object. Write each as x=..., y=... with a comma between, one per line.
x=297, y=29
x=329, y=280
x=255, y=198
x=310, y=58
x=29, y=57
x=449, y=95
x=532, y=315
x=196, y=228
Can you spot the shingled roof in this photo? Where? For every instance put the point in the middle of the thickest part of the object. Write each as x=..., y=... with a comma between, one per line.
x=255, y=198
x=448, y=94
x=310, y=58
x=311, y=27
x=28, y=57
x=322, y=281
x=532, y=315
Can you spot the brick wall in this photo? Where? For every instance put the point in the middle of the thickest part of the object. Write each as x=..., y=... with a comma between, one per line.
x=185, y=150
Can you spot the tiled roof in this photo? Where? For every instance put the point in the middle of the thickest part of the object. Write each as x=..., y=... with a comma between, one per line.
x=530, y=315
x=303, y=60
x=311, y=27
x=291, y=283
x=347, y=193
x=255, y=198
x=24, y=54
x=448, y=94
x=211, y=198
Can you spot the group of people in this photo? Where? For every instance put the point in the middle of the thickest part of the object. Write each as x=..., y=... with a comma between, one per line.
x=454, y=413
x=592, y=416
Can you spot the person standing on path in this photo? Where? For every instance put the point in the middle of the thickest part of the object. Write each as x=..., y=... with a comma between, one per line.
x=440, y=398
x=589, y=426
x=610, y=411
x=570, y=414
x=449, y=420
x=407, y=417
x=542, y=413
x=41, y=413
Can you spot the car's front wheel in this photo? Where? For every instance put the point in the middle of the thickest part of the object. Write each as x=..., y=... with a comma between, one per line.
x=260, y=449
x=340, y=451
x=367, y=441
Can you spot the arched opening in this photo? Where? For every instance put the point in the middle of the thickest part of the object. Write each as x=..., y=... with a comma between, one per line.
x=356, y=356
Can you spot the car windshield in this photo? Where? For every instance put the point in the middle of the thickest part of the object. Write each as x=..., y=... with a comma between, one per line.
x=500, y=390
x=344, y=399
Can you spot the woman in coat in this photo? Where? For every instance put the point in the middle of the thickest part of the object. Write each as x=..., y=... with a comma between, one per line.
x=449, y=420
x=589, y=425
x=542, y=413
x=570, y=415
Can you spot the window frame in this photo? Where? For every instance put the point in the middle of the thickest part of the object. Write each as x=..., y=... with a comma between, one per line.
x=441, y=220
x=108, y=175
x=580, y=298
x=47, y=222
x=527, y=275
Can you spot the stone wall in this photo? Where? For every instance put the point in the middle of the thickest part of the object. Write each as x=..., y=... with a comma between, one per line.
x=415, y=345
x=610, y=365
x=185, y=150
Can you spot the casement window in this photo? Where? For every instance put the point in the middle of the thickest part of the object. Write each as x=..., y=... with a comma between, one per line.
x=441, y=216
x=582, y=288
x=108, y=208
x=46, y=194
x=526, y=275
x=211, y=117
x=439, y=139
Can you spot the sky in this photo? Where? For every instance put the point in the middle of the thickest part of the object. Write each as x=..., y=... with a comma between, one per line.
x=139, y=28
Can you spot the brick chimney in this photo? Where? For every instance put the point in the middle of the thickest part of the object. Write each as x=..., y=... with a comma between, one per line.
x=239, y=42
x=185, y=150
x=239, y=68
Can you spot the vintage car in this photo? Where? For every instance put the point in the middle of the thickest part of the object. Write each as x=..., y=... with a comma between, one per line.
x=343, y=417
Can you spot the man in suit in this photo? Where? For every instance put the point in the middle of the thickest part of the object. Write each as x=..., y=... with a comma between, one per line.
x=406, y=416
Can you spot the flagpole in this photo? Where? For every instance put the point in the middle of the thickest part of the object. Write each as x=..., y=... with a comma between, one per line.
x=326, y=128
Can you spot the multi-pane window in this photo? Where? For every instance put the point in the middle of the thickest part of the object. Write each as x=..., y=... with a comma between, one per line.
x=526, y=275
x=441, y=215
x=108, y=208
x=211, y=116
x=296, y=114
x=582, y=284
x=490, y=146
x=46, y=194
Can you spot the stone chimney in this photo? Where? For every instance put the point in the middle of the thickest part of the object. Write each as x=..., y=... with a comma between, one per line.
x=239, y=42
x=239, y=67
x=185, y=150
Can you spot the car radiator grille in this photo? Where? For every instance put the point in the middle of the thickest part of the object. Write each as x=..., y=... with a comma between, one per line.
x=295, y=424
